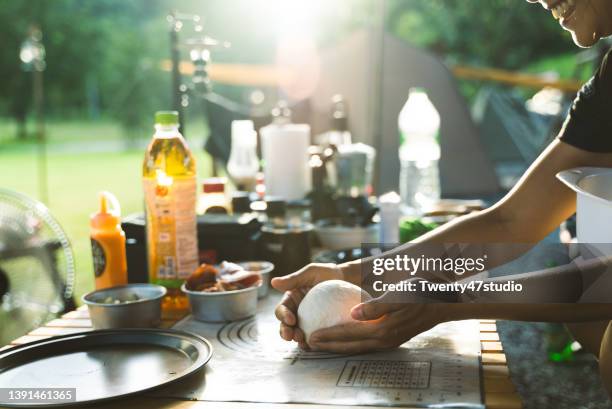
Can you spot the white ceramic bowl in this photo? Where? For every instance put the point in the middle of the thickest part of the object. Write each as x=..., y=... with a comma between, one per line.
x=337, y=237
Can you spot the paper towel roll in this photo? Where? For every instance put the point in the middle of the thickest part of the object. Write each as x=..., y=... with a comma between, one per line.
x=284, y=148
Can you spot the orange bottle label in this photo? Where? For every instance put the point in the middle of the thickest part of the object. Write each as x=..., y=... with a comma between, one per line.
x=171, y=228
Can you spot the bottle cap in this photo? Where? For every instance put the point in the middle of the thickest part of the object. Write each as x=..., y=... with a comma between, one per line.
x=242, y=125
x=167, y=117
x=214, y=185
x=281, y=114
x=109, y=213
x=243, y=132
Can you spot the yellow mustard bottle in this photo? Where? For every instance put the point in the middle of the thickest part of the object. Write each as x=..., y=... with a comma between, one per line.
x=169, y=182
x=108, y=243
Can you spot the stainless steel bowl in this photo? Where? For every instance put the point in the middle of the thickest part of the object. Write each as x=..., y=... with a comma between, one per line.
x=223, y=306
x=264, y=268
x=143, y=313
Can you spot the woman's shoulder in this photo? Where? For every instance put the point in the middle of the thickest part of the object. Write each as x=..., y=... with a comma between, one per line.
x=589, y=123
x=605, y=70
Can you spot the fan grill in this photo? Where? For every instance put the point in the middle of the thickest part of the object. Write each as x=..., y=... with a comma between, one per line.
x=36, y=265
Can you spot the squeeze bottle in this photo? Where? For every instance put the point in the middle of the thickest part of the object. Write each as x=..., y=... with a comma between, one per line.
x=108, y=243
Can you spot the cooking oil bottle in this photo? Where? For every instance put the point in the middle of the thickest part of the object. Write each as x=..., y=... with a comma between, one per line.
x=169, y=181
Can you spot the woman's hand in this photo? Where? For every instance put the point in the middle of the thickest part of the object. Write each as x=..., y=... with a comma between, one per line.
x=382, y=323
x=296, y=285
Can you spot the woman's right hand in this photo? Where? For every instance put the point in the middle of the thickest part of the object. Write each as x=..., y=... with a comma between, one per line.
x=296, y=285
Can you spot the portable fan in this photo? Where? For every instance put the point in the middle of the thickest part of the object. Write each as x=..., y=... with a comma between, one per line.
x=36, y=266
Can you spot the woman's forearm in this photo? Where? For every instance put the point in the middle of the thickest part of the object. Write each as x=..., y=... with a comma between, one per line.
x=528, y=312
x=581, y=281
x=553, y=295
x=484, y=234
x=563, y=284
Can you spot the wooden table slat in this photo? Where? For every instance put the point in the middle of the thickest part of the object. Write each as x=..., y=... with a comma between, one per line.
x=494, y=358
x=69, y=323
x=489, y=336
x=54, y=331
x=495, y=371
x=491, y=346
x=28, y=338
x=175, y=316
x=502, y=400
x=166, y=324
x=488, y=327
x=76, y=314
x=499, y=385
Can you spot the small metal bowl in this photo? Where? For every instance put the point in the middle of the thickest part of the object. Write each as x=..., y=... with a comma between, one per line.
x=264, y=268
x=143, y=313
x=223, y=306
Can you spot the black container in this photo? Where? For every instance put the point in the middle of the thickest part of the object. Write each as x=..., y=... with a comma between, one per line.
x=287, y=244
x=288, y=248
x=220, y=237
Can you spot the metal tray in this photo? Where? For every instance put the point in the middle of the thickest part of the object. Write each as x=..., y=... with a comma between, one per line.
x=103, y=365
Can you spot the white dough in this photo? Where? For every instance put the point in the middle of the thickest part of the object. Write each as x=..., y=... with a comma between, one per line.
x=327, y=304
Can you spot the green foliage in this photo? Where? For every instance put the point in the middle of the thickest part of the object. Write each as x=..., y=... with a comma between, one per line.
x=497, y=33
x=563, y=65
x=103, y=55
x=97, y=56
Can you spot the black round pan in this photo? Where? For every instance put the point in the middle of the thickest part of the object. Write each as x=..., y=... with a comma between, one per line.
x=102, y=365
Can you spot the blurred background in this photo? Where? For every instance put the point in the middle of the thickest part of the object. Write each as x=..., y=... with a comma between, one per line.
x=81, y=80
x=106, y=70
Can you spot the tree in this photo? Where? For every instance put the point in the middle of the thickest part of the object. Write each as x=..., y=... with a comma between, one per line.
x=80, y=38
x=499, y=33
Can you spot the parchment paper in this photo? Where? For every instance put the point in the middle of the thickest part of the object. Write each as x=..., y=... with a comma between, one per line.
x=251, y=363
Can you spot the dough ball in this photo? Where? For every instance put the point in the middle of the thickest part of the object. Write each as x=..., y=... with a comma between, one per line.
x=327, y=304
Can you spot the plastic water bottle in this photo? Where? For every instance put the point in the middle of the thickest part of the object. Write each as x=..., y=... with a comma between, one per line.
x=419, y=124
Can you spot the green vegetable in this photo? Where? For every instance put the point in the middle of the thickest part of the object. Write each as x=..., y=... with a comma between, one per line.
x=412, y=228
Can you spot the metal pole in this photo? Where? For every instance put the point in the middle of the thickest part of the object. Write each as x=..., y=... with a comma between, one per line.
x=175, y=57
x=377, y=83
x=32, y=56
x=38, y=91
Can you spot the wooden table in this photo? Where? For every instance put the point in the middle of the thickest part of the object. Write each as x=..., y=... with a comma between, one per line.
x=498, y=388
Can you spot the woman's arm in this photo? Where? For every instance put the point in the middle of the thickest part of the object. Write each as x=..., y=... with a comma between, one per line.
x=536, y=206
x=562, y=313
x=531, y=210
